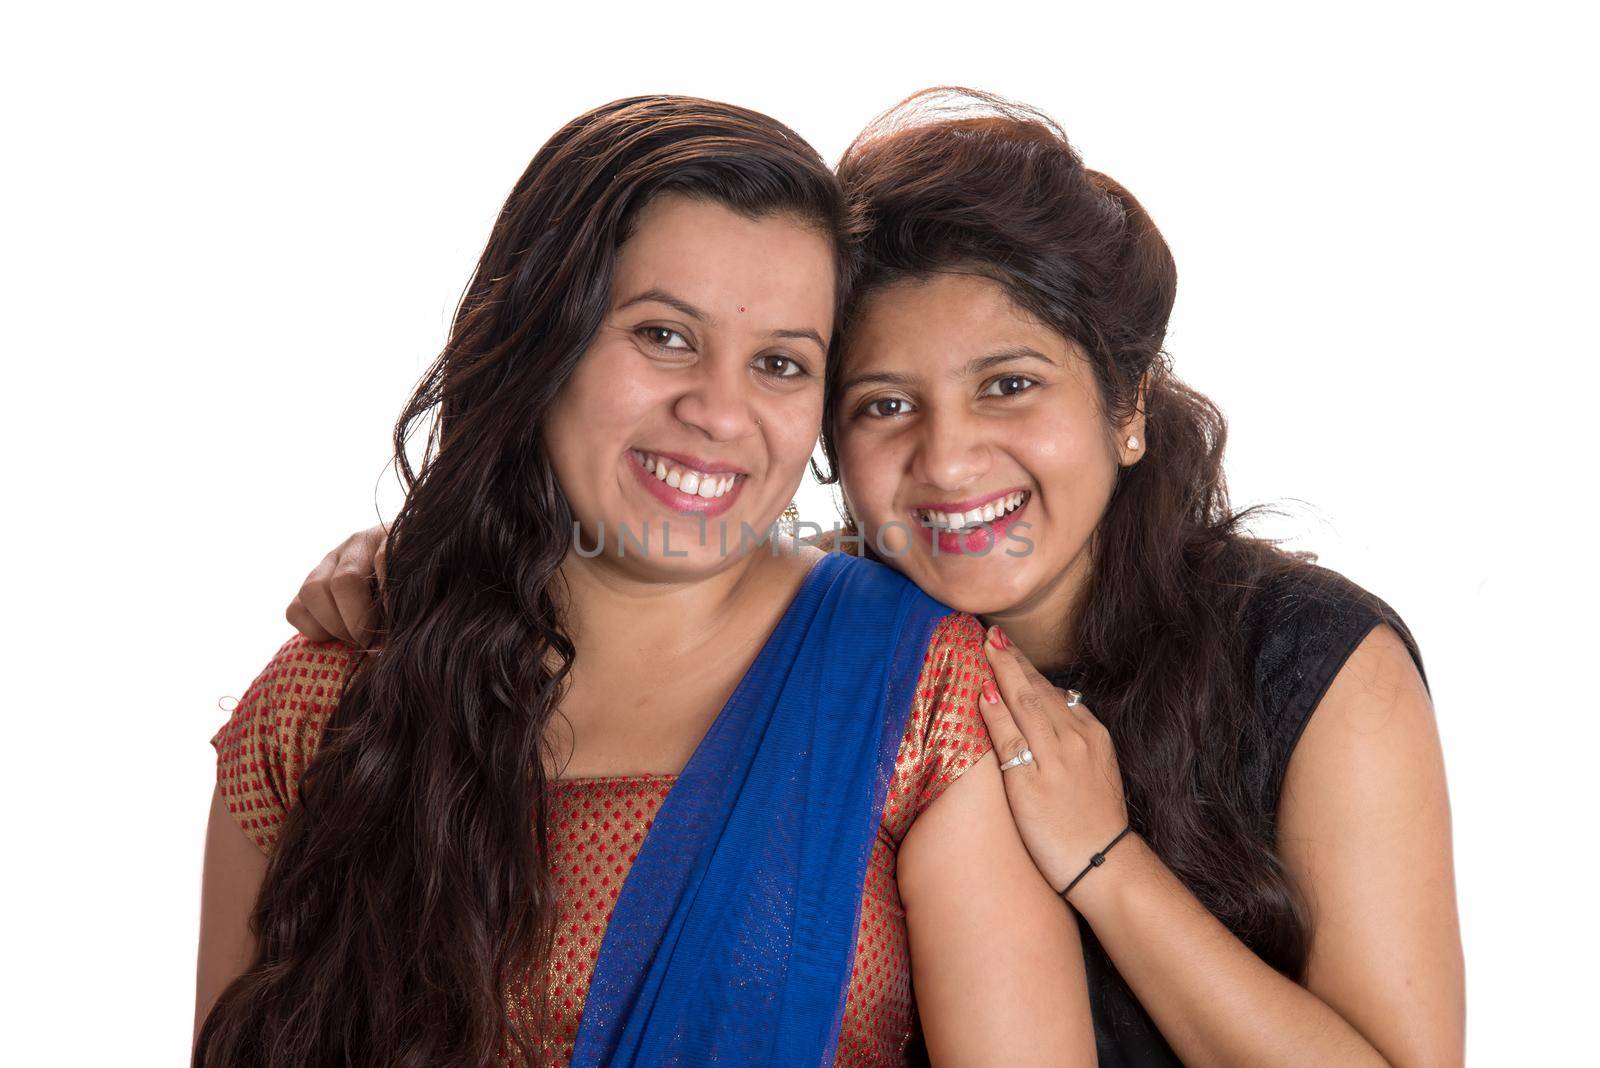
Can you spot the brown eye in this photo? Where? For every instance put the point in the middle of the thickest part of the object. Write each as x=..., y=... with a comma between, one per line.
x=887, y=407
x=1009, y=386
x=781, y=366
x=662, y=337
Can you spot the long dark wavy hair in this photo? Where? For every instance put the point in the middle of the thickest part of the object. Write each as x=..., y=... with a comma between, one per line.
x=406, y=904
x=954, y=179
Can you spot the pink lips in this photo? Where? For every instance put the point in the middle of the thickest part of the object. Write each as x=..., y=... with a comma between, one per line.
x=976, y=542
x=687, y=503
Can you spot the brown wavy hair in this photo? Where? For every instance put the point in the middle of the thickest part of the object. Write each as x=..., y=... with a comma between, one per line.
x=957, y=180
x=407, y=902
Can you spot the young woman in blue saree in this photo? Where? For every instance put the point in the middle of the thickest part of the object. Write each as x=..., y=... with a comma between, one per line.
x=604, y=792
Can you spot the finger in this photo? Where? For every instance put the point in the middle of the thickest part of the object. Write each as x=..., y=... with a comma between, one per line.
x=1027, y=702
x=1097, y=742
x=1084, y=721
x=380, y=567
x=380, y=555
x=1034, y=676
x=304, y=622
x=316, y=600
x=1004, y=733
x=1097, y=735
x=1080, y=710
x=350, y=585
x=351, y=588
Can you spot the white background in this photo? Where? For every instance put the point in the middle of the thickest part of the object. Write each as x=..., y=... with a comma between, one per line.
x=234, y=236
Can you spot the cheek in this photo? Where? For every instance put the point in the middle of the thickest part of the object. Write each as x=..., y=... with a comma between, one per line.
x=595, y=417
x=870, y=470
x=1069, y=454
x=1075, y=473
x=866, y=476
x=606, y=397
x=798, y=419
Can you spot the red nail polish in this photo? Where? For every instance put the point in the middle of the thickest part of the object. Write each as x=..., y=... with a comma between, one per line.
x=990, y=692
x=1000, y=639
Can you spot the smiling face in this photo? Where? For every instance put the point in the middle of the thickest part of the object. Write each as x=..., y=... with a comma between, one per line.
x=699, y=400
x=973, y=445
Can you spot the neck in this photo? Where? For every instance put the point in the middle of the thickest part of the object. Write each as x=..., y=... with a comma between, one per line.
x=1045, y=625
x=659, y=621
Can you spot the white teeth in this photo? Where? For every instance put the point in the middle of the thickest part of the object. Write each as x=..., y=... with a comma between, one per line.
x=696, y=483
x=960, y=521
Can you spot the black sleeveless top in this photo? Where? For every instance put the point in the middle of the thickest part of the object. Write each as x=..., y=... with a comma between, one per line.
x=1301, y=627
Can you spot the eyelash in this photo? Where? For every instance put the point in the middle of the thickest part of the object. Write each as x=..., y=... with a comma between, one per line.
x=866, y=409
x=1032, y=382
x=646, y=332
x=800, y=368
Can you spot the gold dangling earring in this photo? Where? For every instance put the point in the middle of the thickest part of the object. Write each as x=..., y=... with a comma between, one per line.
x=789, y=521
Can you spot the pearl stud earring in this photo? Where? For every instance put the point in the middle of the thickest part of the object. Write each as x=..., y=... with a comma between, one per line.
x=1133, y=442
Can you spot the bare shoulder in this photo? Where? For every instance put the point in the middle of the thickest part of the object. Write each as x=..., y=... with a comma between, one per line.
x=1377, y=709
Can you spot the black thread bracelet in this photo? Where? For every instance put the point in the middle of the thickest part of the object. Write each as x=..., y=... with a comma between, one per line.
x=1097, y=860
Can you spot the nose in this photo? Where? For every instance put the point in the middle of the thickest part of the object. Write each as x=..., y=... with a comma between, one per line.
x=952, y=452
x=717, y=401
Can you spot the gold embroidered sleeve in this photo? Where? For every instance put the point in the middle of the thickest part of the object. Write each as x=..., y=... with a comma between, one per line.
x=945, y=734
x=270, y=737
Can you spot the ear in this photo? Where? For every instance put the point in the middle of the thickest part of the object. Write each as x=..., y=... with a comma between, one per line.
x=1131, y=443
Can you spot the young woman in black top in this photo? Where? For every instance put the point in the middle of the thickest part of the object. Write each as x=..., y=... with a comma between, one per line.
x=1006, y=431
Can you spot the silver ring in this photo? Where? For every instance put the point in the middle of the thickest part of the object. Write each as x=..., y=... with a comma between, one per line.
x=1074, y=698
x=1024, y=757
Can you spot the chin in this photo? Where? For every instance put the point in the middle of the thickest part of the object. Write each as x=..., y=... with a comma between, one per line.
x=671, y=545
x=976, y=587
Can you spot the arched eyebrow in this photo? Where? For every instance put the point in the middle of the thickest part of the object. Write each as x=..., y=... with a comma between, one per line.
x=876, y=378
x=683, y=307
x=806, y=334
x=972, y=367
x=1005, y=355
x=661, y=296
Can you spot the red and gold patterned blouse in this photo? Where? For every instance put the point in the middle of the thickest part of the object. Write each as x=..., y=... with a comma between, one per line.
x=598, y=825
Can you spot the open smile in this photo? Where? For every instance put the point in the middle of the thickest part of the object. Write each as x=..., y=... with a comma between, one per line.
x=686, y=485
x=972, y=526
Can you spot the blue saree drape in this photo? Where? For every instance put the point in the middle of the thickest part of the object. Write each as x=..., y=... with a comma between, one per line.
x=733, y=935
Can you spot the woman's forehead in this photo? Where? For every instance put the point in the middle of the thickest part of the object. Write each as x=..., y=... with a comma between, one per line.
x=957, y=323
x=768, y=272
